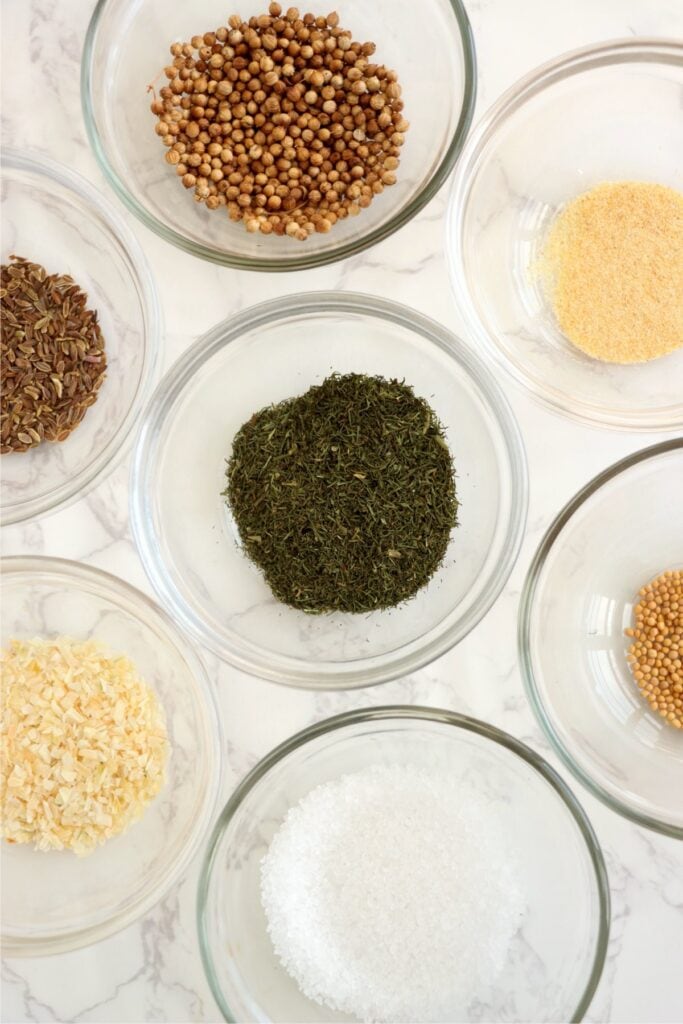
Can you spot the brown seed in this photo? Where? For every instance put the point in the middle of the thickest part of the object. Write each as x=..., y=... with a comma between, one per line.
x=278, y=108
x=47, y=385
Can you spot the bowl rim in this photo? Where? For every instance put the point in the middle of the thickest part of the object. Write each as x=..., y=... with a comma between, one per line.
x=303, y=261
x=97, y=208
x=285, y=669
x=643, y=49
x=526, y=608
x=420, y=713
x=44, y=567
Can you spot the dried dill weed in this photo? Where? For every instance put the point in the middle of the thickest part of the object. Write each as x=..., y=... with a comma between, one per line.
x=53, y=358
x=83, y=744
x=344, y=497
x=656, y=654
x=613, y=265
x=282, y=120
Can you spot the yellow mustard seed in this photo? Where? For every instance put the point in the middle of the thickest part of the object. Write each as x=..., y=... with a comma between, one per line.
x=656, y=654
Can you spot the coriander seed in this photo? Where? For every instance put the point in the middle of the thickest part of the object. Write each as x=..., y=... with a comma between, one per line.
x=283, y=107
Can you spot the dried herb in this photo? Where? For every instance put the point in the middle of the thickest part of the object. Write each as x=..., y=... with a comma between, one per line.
x=53, y=359
x=345, y=496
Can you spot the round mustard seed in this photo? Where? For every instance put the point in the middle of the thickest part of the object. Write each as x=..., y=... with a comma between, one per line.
x=656, y=654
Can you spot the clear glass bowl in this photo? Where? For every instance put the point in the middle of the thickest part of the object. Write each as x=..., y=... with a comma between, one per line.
x=608, y=112
x=187, y=540
x=54, y=217
x=127, y=46
x=615, y=535
x=557, y=956
x=56, y=901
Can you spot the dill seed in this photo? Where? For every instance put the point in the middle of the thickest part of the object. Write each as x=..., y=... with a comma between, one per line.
x=345, y=496
x=53, y=358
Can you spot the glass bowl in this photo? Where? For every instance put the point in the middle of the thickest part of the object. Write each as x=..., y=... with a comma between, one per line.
x=55, y=901
x=54, y=217
x=619, y=532
x=127, y=46
x=187, y=540
x=557, y=955
x=605, y=113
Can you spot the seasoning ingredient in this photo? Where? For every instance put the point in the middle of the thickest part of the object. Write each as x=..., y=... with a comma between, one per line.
x=345, y=496
x=83, y=744
x=53, y=359
x=656, y=654
x=393, y=894
x=614, y=263
x=283, y=119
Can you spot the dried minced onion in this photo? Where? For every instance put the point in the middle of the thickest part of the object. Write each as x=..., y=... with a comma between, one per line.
x=83, y=744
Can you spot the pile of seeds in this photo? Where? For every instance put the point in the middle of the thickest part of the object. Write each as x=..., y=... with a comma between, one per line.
x=282, y=119
x=656, y=654
x=345, y=496
x=53, y=359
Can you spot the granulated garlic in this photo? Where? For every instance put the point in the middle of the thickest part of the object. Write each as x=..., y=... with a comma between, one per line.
x=613, y=262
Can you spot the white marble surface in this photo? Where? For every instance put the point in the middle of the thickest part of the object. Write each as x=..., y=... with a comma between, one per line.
x=152, y=970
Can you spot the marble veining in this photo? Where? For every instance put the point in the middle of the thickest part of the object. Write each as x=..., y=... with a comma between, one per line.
x=152, y=971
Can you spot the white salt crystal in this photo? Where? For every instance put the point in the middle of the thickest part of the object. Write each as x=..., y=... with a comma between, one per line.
x=391, y=894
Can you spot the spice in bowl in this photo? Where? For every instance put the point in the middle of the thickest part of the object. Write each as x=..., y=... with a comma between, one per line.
x=53, y=358
x=83, y=744
x=613, y=264
x=394, y=894
x=656, y=654
x=344, y=497
x=284, y=120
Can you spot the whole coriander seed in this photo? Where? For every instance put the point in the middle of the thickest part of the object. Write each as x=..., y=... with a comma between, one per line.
x=283, y=120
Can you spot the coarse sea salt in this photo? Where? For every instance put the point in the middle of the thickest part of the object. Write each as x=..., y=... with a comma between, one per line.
x=392, y=894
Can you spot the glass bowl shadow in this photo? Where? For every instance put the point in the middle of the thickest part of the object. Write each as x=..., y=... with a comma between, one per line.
x=557, y=956
x=126, y=48
x=54, y=217
x=186, y=537
x=54, y=901
x=609, y=112
x=619, y=532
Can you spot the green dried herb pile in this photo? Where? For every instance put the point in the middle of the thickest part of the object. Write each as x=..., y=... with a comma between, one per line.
x=345, y=496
